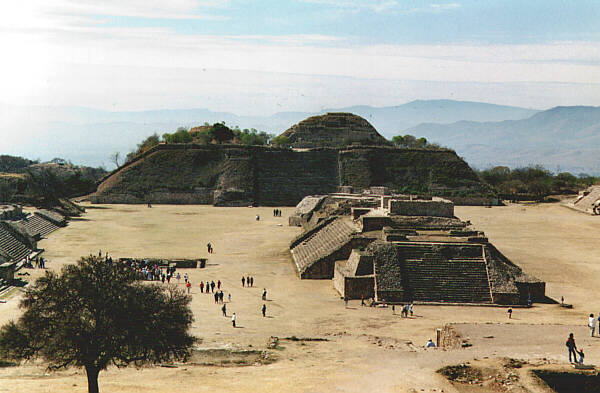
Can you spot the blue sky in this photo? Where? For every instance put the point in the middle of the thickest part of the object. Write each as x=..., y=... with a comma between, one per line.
x=260, y=57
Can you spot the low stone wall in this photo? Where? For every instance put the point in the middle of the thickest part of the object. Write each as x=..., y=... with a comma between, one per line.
x=200, y=197
x=374, y=223
x=436, y=208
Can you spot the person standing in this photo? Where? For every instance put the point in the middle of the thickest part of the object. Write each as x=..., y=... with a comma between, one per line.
x=216, y=296
x=224, y=309
x=411, y=309
x=243, y=281
x=233, y=317
x=219, y=284
x=201, y=287
x=229, y=297
x=346, y=301
x=212, y=286
x=264, y=310
x=362, y=299
x=251, y=281
x=592, y=324
x=572, y=348
x=510, y=313
x=188, y=285
x=264, y=295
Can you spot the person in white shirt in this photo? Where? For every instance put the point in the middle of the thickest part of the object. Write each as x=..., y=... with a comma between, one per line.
x=592, y=325
x=233, y=318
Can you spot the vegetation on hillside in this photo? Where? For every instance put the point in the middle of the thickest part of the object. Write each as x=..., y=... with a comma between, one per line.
x=43, y=184
x=412, y=142
x=534, y=182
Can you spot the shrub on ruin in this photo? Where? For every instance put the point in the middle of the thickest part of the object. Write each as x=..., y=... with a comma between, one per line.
x=95, y=314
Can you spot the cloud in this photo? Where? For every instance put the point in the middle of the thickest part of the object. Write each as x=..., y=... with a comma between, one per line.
x=444, y=6
x=355, y=6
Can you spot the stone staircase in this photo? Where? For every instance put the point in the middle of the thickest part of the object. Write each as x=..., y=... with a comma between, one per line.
x=429, y=276
x=322, y=243
x=12, y=246
x=38, y=226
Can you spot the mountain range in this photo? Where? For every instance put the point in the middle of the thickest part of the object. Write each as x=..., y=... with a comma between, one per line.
x=484, y=134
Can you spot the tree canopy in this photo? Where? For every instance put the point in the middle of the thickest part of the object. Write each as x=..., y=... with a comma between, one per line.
x=95, y=314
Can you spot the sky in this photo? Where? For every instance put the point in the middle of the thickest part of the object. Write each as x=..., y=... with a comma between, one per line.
x=262, y=57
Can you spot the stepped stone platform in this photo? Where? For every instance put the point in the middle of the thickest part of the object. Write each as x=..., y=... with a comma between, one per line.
x=588, y=201
x=11, y=246
x=316, y=251
x=37, y=226
x=434, y=258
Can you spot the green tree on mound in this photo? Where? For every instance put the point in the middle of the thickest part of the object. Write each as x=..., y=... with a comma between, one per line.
x=95, y=314
x=221, y=133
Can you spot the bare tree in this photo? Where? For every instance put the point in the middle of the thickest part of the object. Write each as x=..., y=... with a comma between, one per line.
x=115, y=157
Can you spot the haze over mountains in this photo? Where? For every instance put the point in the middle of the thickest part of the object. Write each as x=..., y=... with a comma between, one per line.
x=484, y=134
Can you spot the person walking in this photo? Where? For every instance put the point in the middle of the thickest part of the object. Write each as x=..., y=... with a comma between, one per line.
x=229, y=297
x=220, y=296
x=346, y=301
x=264, y=310
x=207, y=286
x=510, y=313
x=188, y=285
x=592, y=324
x=212, y=286
x=264, y=295
x=224, y=310
x=233, y=317
x=185, y=277
x=251, y=281
x=178, y=276
x=572, y=348
x=243, y=281
x=201, y=287
x=219, y=284
x=216, y=296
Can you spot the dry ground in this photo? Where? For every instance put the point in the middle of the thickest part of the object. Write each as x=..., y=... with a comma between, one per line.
x=368, y=349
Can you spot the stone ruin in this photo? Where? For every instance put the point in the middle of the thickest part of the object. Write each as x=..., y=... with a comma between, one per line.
x=333, y=130
x=19, y=234
x=588, y=201
x=403, y=248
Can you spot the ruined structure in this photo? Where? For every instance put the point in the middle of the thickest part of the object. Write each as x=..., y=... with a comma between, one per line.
x=19, y=234
x=400, y=248
x=333, y=130
x=234, y=175
x=588, y=201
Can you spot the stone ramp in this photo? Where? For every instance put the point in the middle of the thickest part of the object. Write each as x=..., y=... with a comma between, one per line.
x=314, y=256
x=12, y=247
x=444, y=273
x=586, y=203
x=38, y=226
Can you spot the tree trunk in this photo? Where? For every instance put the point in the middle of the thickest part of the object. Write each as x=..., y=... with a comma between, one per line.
x=92, y=376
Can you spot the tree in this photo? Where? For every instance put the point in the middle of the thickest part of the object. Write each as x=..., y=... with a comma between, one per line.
x=115, y=157
x=221, y=133
x=96, y=314
x=280, y=141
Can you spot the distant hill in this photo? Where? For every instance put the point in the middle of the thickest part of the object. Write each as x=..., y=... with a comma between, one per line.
x=392, y=119
x=561, y=138
x=88, y=136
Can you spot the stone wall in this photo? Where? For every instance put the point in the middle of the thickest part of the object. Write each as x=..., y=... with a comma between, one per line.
x=241, y=175
x=435, y=208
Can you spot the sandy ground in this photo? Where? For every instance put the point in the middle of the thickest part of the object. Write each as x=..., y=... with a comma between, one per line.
x=368, y=349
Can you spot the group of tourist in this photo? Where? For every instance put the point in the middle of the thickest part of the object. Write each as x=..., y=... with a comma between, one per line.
x=276, y=213
x=247, y=281
x=38, y=261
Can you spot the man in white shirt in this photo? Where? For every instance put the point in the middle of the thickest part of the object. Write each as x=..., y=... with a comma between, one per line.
x=592, y=325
